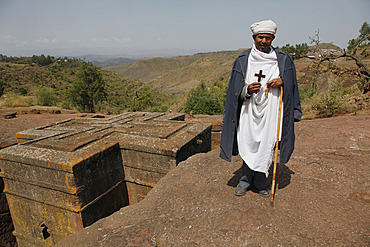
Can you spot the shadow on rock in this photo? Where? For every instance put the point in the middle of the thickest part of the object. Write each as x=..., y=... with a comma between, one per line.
x=234, y=181
x=283, y=176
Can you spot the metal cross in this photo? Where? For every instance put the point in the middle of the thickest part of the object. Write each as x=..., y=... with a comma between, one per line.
x=259, y=75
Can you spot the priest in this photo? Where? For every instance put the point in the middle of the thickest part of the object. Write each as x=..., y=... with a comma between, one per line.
x=252, y=108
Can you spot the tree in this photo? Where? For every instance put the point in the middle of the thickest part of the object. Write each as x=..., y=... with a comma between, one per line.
x=143, y=100
x=3, y=57
x=89, y=88
x=288, y=49
x=363, y=37
x=300, y=50
x=201, y=100
x=42, y=60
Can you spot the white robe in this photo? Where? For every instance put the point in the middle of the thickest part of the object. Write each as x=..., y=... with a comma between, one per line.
x=257, y=129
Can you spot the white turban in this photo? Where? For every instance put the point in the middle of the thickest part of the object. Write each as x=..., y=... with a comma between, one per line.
x=267, y=26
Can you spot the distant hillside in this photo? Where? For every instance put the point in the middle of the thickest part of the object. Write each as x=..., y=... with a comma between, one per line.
x=147, y=69
x=209, y=68
x=113, y=62
x=178, y=75
x=105, y=60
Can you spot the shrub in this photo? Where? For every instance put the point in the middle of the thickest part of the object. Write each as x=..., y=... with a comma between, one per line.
x=201, y=100
x=330, y=101
x=2, y=87
x=66, y=105
x=144, y=100
x=162, y=108
x=22, y=91
x=307, y=91
x=45, y=96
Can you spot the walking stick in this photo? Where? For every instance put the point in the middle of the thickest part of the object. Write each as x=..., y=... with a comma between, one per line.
x=277, y=147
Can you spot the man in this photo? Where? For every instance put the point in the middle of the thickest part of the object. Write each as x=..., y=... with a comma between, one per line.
x=251, y=109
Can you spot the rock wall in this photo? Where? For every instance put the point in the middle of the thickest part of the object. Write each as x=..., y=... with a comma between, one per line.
x=6, y=224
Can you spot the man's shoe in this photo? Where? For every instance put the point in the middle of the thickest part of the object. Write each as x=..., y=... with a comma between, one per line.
x=264, y=193
x=240, y=191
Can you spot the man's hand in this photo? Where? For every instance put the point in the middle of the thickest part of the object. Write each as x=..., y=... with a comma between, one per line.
x=278, y=82
x=255, y=87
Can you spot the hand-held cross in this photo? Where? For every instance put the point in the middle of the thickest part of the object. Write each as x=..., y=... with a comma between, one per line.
x=259, y=75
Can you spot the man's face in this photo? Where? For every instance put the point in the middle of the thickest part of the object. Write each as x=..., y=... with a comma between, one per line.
x=263, y=41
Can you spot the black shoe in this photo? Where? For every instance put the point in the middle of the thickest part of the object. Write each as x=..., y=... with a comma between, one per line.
x=240, y=191
x=264, y=193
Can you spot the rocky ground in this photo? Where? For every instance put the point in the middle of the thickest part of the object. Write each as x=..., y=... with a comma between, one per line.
x=27, y=119
x=323, y=196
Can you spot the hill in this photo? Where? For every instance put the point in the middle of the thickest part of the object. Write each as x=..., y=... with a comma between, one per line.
x=149, y=69
x=209, y=68
x=21, y=78
x=329, y=46
x=29, y=76
x=113, y=62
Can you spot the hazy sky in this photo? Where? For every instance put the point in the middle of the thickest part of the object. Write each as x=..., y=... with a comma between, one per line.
x=58, y=27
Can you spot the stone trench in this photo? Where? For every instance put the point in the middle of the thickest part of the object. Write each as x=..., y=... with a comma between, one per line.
x=65, y=176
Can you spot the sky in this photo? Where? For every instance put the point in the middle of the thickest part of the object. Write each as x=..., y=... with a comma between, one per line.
x=173, y=27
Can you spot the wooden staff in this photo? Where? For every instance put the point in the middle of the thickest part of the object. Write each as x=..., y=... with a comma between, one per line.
x=277, y=146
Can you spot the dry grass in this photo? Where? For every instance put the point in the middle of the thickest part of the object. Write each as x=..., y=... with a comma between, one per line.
x=14, y=100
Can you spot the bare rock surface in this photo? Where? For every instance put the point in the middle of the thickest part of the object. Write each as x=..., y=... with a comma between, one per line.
x=9, y=127
x=323, y=198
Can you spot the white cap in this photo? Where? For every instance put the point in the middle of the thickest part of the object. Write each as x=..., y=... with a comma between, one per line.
x=267, y=26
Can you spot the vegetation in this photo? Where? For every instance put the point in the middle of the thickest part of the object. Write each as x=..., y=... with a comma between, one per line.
x=202, y=100
x=22, y=91
x=329, y=103
x=88, y=90
x=127, y=94
x=47, y=83
x=362, y=39
x=45, y=96
x=2, y=85
x=297, y=51
x=306, y=92
x=15, y=100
